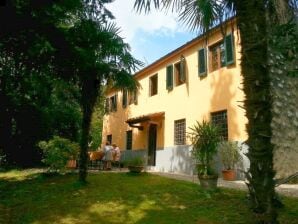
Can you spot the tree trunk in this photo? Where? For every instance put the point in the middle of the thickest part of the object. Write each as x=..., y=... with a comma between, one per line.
x=90, y=89
x=5, y=128
x=256, y=83
x=281, y=11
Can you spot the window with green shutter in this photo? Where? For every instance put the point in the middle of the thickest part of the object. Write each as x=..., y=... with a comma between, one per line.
x=170, y=77
x=179, y=72
x=124, y=98
x=202, y=61
x=113, y=103
x=153, y=85
x=135, y=97
x=132, y=97
x=222, y=54
x=217, y=58
x=229, y=49
x=182, y=69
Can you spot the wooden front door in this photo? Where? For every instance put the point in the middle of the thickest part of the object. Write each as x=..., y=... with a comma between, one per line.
x=152, y=144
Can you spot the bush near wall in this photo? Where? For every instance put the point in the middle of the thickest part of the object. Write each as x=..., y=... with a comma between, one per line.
x=57, y=151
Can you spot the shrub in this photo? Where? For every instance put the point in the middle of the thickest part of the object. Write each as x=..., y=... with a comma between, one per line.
x=230, y=155
x=204, y=138
x=57, y=151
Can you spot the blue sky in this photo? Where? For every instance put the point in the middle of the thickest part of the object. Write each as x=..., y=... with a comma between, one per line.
x=150, y=36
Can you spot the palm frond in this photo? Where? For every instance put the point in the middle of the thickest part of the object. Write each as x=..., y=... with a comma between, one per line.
x=197, y=15
x=173, y=5
x=122, y=80
x=96, y=10
x=146, y=5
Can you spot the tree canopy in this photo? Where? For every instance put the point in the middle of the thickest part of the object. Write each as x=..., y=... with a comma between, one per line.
x=55, y=55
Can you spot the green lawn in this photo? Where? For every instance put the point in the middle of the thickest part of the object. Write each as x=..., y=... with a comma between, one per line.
x=29, y=197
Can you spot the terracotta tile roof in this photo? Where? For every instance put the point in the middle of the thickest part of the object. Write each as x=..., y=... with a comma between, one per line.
x=146, y=117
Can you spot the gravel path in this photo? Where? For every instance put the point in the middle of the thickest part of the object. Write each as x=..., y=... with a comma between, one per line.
x=284, y=189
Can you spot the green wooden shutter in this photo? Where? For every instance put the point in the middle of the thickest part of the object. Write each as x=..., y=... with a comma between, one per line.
x=202, y=61
x=116, y=101
x=170, y=77
x=182, y=69
x=124, y=98
x=135, y=97
x=229, y=49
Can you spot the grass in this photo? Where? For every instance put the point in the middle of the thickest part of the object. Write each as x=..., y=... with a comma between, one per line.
x=30, y=197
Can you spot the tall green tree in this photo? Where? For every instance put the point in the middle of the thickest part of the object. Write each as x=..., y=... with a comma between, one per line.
x=104, y=59
x=70, y=40
x=30, y=34
x=255, y=19
x=35, y=109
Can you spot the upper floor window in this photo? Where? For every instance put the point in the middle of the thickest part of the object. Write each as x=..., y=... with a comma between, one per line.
x=220, y=54
x=180, y=72
x=113, y=103
x=217, y=56
x=153, y=85
x=179, y=132
x=133, y=97
x=129, y=98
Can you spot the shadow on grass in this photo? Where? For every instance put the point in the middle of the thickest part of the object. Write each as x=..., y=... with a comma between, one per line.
x=116, y=198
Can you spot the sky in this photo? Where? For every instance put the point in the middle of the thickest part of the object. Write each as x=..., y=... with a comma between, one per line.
x=152, y=35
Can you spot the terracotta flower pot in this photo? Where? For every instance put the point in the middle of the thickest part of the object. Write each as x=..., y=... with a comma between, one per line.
x=71, y=163
x=229, y=175
x=208, y=182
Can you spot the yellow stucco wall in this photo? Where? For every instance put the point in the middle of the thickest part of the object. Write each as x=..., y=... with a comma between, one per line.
x=194, y=100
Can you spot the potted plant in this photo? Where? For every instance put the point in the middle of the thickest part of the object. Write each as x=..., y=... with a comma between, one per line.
x=230, y=156
x=205, y=138
x=135, y=164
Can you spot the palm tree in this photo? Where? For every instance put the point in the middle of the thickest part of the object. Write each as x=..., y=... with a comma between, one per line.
x=253, y=23
x=101, y=58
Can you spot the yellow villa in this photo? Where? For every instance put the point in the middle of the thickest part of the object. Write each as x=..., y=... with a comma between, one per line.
x=199, y=80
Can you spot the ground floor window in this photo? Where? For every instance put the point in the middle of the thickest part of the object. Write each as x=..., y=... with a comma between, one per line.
x=220, y=119
x=179, y=132
x=109, y=138
x=129, y=140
